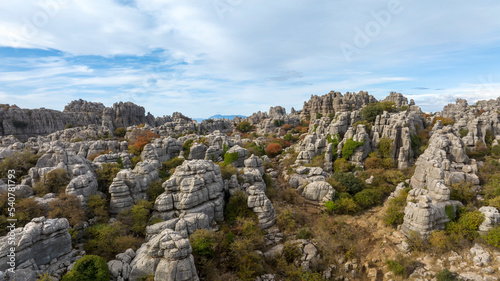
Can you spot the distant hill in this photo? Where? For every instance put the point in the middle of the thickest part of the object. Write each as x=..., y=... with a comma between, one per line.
x=218, y=116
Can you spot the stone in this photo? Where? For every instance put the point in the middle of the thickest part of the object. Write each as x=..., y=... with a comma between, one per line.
x=242, y=154
x=42, y=240
x=481, y=257
x=491, y=219
x=319, y=191
x=262, y=206
x=196, y=186
x=167, y=256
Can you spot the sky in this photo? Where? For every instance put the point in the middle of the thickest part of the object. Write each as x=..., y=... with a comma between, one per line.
x=207, y=57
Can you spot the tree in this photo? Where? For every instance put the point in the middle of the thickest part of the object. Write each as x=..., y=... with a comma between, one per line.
x=89, y=268
x=244, y=126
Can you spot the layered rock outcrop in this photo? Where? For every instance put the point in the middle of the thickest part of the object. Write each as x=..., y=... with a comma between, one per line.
x=335, y=102
x=167, y=256
x=443, y=163
x=195, y=187
x=42, y=245
x=129, y=186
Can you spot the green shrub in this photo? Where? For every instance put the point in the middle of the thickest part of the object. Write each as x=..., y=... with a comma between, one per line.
x=67, y=206
x=305, y=233
x=288, y=220
x=384, y=147
x=98, y=207
x=237, y=207
x=231, y=157
x=140, y=216
x=291, y=252
x=244, y=126
x=445, y=275
x=154, y=190
x=105, y=176
x=463, y=192
x=186, y=147
x=372, y=110
x=317, y=161
x=464, y=133
x=395, y=211
x=54, y=181
x=168, y=167
x=120, y=132
x=495, y=150
x=89, y=268
x=349, y=182
x=440, y=242
x=396, y=268
x=202, y=242
x=278, y=123
x=368, y=198
x=136, y=159
x=349, y=146
x=346, y=205
x=466, y=226
x=255, y=149
x=342, y=166
x=492, y=237
x=68, y=126
x=227, y=171
x=330, y=207
x=489, y=137
x=21, y=162
x=44, y=277
x=366, y=123
x=108, y=240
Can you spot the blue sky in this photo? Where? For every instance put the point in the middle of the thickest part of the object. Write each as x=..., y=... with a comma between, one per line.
x=203, y=57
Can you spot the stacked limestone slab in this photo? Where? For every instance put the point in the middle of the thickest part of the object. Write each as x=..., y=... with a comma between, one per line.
x=443, y=163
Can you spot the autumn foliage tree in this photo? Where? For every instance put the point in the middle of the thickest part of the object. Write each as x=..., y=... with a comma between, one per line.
x=273, y=149
x=139, y=139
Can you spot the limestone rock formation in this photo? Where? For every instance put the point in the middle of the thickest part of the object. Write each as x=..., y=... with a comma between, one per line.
x=335, y=102
x=443, y=163
x=129, y=186
x=167, y=256
x=195, y=187
x=319, y=191
x=42, y=244
x=491, y=218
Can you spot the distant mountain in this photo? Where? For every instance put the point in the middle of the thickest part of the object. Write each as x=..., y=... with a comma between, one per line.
x=218, y=116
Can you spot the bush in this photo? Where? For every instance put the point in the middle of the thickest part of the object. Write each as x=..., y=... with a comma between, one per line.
x=464, y=133
x=202, y=242
x=154, y=190
x=67, y=206
x=105, y=176
x=341, y=165
x=349, y=146
x=244, y=127
x=273, y=149
x=227, y=171
x=237, y=207
x=291, y=252
x=139, y=139
x=373, y=162
x=120, y=132
x=384, y=147
x=255, y=149
x=21, y=162
x=330, y=207
x=466, y=226
x=305, y=233
x=395, y=211
x=317, y=161
x=370, y=111
x=463, y=192
x=140, y=213
x=444, y=121
x=231, y=157
x=489, y=137
x=439, y=241
x=89, y=268
x=288, y=220
x=368, y=198
x=492, y=237
x=345, y=205
x=445, y=275
x=366, y=123
x=54, y=181
x=286, y=127
x=395, y=267
x=186, y=147
x=278, y=123
x=108, y=240
x=402, y=266
x=98, y=207
x=349, y=182
x=68, y=126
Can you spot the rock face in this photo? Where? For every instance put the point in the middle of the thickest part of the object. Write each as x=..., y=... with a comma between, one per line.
x=443, y=163
x=26, y=123
x=42, y=243
x=162, y=149
x=167, y=256
x=129, y=186
x=255, y=190
x=335, y=102
x=195, y=187
x=242, y=155
x=319, y=191
x=491, y=218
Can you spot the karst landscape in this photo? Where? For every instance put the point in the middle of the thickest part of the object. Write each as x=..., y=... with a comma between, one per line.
x=346, y=188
